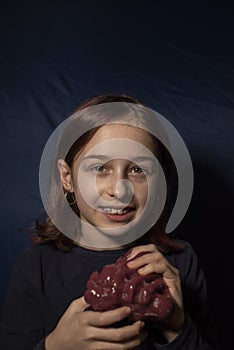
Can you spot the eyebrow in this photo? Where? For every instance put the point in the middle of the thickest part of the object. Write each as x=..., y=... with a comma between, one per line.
x=103, y=157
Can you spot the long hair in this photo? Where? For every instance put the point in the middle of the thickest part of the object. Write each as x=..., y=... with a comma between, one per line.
x=87, y=119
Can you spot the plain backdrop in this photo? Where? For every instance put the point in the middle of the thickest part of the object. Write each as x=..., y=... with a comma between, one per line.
x=175, y=56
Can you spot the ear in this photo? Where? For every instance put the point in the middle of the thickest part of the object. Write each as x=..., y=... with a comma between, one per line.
x=65, y=175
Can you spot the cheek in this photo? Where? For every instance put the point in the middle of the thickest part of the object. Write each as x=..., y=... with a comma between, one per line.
x=86, y=190
x=141, y=193
x=145, y=192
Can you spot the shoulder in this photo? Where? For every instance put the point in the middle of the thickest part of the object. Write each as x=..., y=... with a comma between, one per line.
x=33, y=264
x=36, y=250
x=31, y=257
x=187, y=249
x=186, y=261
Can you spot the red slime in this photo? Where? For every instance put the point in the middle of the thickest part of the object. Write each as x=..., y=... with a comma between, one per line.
x=117, y=285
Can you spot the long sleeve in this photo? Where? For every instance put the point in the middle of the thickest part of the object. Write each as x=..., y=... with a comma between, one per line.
x=198, y=332
x=21, y=325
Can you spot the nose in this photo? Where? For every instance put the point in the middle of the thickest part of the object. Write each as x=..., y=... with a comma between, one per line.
x=121, y=188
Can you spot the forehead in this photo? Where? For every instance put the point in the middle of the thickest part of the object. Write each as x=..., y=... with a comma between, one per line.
x=120, y=131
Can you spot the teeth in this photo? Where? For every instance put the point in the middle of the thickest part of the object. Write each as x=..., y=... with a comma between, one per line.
x=115, y=211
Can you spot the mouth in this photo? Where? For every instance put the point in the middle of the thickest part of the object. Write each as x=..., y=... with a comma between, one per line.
x=120, y=214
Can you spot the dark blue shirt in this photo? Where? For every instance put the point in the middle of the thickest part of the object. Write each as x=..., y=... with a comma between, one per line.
x=46, y=280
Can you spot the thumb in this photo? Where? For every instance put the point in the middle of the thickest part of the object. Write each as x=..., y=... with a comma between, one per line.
x=79, y=305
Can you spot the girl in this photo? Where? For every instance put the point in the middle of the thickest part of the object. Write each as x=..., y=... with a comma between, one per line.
x=109, y=177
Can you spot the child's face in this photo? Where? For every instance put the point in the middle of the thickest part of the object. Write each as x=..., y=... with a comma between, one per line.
x=112, y=176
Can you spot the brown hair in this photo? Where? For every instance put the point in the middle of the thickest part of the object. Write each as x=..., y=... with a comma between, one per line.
x=45, y=230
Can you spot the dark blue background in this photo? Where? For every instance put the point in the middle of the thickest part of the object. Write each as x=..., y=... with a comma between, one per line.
x=177, y=57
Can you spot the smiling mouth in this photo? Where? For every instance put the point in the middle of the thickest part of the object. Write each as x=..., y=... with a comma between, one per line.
x=116, y=211
x=121, y=214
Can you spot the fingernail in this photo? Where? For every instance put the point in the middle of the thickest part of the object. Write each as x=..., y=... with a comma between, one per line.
x=127, y=309
x=131, y=262
x=129, y=256
x=140, y=323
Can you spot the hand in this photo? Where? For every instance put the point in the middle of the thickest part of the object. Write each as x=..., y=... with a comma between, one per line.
x=155, y=261
x=79, y=329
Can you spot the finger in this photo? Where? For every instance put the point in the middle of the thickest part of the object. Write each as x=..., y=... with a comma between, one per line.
x=170, y=275
x=146, y=259
x=106, y=318
x=120, y=334
x=142, y=248
x=162, y=267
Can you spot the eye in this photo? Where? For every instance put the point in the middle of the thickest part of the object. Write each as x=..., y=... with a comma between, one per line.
x=137, y=170
x=98, y=169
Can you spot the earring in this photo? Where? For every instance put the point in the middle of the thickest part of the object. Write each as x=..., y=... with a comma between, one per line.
x=70, y=197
